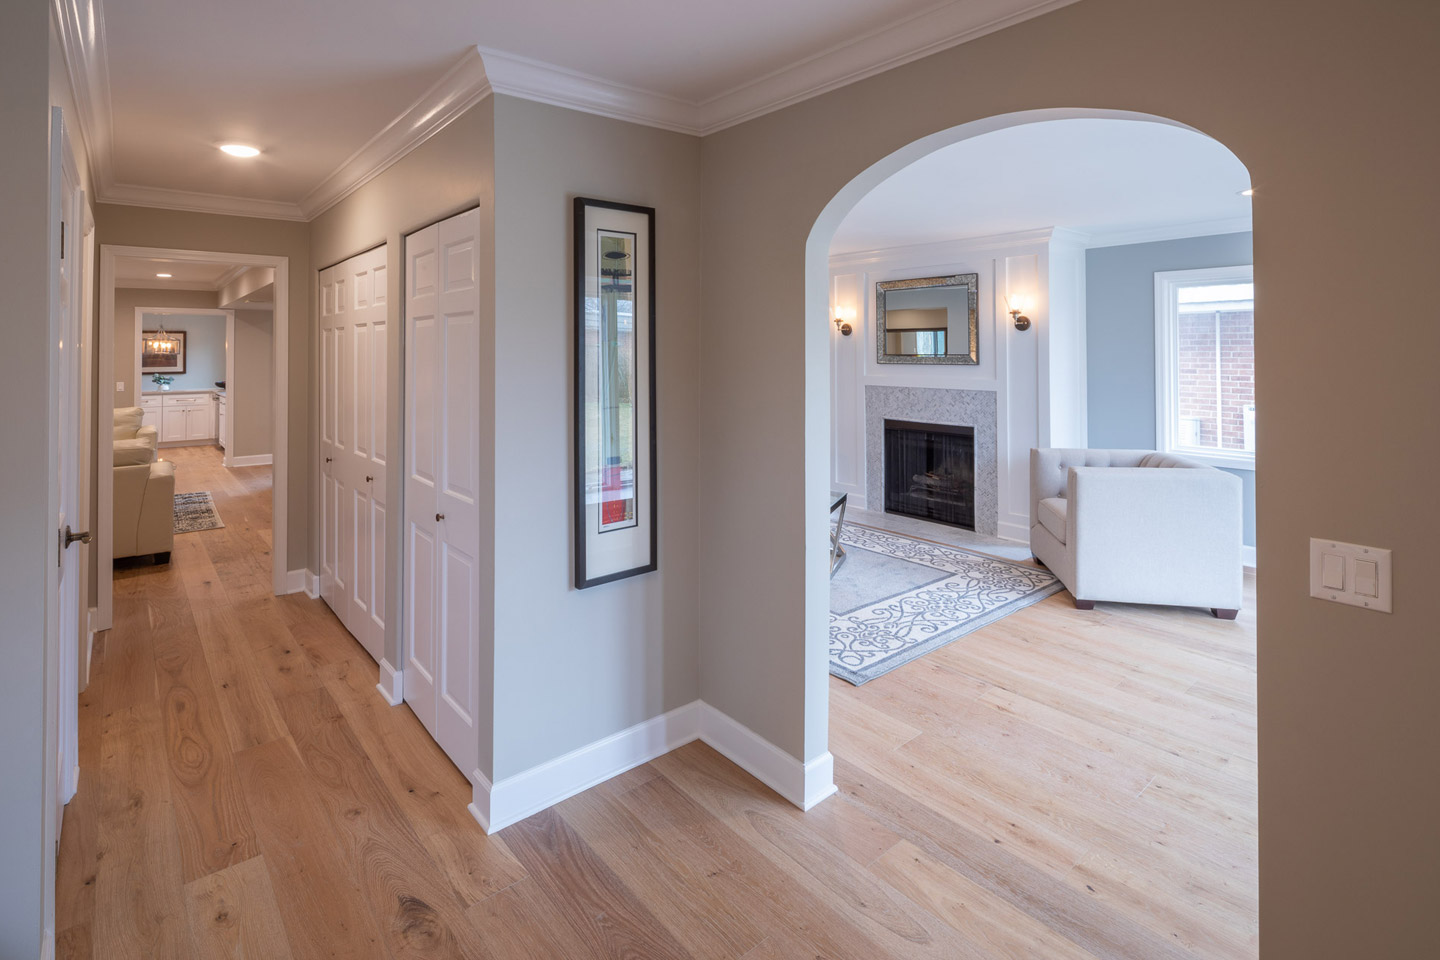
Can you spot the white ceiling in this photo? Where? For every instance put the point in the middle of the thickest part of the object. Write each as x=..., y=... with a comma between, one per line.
x=133, y=272
x=1112, y=179
x=312, y=82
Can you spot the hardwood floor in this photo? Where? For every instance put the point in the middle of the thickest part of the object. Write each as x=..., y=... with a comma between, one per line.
x=1057, y=785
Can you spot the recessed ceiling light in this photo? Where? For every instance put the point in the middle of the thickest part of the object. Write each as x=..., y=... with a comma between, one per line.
x=1248, y=192
x=163, y=276
x=240, y=150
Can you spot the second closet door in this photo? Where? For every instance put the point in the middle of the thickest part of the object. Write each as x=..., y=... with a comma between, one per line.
x=442, y=520
x=353, y=444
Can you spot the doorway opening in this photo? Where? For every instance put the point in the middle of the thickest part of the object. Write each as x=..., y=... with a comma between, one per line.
x=197, y=344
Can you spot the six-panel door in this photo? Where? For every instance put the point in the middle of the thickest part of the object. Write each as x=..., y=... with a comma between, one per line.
x=442, y=579
x=353, y=444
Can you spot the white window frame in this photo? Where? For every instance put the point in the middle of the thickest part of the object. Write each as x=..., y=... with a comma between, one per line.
x=1167, y=325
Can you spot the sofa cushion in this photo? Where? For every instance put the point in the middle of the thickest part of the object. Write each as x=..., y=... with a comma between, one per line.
x=128, y=453
x=127, y=422
x=1052, y=516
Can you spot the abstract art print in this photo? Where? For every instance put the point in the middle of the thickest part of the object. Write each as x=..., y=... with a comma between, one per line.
x=615, y=508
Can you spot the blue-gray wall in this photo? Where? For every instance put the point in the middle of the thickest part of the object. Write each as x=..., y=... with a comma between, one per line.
x=1120, y=326
x=204, y=350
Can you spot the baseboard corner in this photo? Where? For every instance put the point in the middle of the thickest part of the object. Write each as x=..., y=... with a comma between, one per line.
x=479, y=805
x=803, y=784
x=392, y=683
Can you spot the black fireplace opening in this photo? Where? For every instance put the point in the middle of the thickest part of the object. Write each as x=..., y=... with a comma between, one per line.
x=930, y=472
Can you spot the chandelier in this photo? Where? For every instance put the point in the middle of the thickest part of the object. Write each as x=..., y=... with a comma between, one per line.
x=161, y=342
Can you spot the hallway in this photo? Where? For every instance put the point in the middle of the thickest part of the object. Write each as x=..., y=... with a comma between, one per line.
x=1059, y=784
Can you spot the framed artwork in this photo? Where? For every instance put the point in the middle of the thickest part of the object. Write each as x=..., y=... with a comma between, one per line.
x=615, y=477
x=162, y=351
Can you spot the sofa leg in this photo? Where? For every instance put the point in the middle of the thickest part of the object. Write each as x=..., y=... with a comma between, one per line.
x=162, y=558
x=1220, y=614
x=1084, y=604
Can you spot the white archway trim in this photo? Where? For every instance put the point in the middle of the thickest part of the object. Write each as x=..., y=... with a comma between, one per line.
x=281, y=582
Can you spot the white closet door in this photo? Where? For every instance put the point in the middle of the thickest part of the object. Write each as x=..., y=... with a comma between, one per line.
x=353, y=444
x=441, y=481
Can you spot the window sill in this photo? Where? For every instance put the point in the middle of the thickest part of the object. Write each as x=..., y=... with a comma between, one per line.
x=1214, y=459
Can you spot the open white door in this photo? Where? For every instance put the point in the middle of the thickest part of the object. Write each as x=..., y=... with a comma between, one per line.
x=63, y=637
x=353, y=445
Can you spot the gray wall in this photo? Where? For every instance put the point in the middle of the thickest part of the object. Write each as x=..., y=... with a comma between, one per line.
x=1120, y=324
x=1342, y=160
x=251, y=396
x=573, y=666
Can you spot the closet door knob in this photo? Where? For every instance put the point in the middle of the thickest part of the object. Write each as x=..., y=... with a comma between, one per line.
x=369, y=479
x=439, y=517
x=329, y=459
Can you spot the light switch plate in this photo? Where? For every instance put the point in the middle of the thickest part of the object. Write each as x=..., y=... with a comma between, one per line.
x=1349, y=554
x=119, y=386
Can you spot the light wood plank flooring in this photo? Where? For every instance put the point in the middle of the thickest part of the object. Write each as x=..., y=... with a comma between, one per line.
x=1057, y=785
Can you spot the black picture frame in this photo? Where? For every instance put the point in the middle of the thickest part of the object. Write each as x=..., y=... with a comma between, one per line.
x=172, y=369
x=634, y=547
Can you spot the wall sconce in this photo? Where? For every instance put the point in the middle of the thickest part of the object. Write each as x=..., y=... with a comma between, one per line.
x=844, y=328
x=1015, y=307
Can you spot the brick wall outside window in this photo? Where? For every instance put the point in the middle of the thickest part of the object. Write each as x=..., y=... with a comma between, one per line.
x=1196, y=368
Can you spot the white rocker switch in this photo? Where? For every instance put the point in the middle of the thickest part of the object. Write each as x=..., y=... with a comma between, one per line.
x=1332, y=571
x=1367, y=578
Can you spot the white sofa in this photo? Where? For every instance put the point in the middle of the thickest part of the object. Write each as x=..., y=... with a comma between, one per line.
x=144, y=501
x=1136, y=526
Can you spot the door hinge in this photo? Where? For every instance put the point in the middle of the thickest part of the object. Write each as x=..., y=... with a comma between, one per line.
x=62, y=239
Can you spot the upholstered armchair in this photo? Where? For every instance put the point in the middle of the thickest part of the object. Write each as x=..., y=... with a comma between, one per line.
x=1135, y=526
x=144, y=498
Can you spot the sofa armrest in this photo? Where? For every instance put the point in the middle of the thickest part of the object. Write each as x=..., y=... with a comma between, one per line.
x=148, y=433
x=1144, y=533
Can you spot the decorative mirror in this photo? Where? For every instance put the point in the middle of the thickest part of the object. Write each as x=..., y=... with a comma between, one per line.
x=928, y=320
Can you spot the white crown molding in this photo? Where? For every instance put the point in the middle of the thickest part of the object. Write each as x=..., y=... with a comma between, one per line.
x=891, y=46
x=942, y=251
x=463, y=85
x=1170, y=231
x=142, y=283
x=230, y=276
x=530, y=79
x=81, y=28
x=167, y=199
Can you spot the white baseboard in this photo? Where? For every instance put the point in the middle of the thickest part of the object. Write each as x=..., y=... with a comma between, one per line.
x=254, y=460
x=1018, y=532
x=392, y=683
x=803, y=784
x=1247, y=556
x=71, y=786
x=47, y=945
x=512, y=799
x=302, y=581
x=91, y=619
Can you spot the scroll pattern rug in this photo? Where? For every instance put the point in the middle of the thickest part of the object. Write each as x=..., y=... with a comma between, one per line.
x=195, y=511
x=897, y=598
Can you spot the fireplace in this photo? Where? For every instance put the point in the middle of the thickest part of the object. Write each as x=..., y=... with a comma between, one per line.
x=930, y=472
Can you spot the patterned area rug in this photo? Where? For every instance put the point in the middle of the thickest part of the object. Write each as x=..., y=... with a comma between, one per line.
x=897, y=598
x=195, y=512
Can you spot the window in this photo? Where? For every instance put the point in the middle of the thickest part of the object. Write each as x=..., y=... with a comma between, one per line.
x=1205, y=365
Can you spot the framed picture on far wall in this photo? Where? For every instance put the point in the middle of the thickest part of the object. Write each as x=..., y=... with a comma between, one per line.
x=615, y=508
x=162, y=351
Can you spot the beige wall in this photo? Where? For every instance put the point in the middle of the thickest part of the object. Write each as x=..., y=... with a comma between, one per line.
x=126, y=300
x=149, y=227
x=1330, y=106
x=573, y=666
x=251, y=396
x=449, y=173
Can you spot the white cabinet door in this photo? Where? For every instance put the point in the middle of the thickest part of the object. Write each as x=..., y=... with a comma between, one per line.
x=220, y=422
x=200, y=420
x=353, y=444
x=442, y=506
x=151, y=413
x=173, y=424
